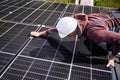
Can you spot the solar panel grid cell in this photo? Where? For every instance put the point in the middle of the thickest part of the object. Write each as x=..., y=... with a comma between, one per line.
x=79, y=9
x=42, y=18
x=2, y=14
x=33, y=48
x=53, y=6
x=4, y=59
x=61, y=7
x=2, y=7
x=4, y=40
x=95, y=10
x=87, y=10
x=80, y=73
x=30, y=4
x=14, y=45
x=71, y=8
x=45, y=6
x=5, y=2
x=38, y=4
x=9, y=10
x=17, y=37
x=19, y=70
x=14, y=74
x=21, y=3
x=1, y=1
x=60, y=71
x=23, y=15
x=33, y=16
x=13, y=2
x=104, y=9
x=5, y=27
x=13, y=15
x=52, y=19
x=1, y=23
x=39, y=68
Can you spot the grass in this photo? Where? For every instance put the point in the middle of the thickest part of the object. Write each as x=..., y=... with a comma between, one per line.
x=63, y=1
x=108, y=3
x=105, y=3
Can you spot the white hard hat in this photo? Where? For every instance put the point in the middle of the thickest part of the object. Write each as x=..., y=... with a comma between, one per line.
x=65, y=26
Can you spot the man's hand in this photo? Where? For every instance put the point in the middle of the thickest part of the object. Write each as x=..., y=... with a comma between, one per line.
x=36, y=34
x=111, y=62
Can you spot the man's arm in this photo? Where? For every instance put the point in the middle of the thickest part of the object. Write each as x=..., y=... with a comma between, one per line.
x=114, y=53
x=42, y=33
x=100, y=35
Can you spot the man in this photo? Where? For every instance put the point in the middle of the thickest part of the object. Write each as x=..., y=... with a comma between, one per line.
x=79, y=23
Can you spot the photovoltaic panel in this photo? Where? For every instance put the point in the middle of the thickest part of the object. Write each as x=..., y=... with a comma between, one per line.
x=13, y=2
x=43, y=17
x=4, y=60
x=71, y=8
x=30, y=4
x=95, y=10
x=61, y=7
x=16, y=37
x=87, y=10
x=6, y=11
x=14, y=47
x=45, y=6
x=28, y=68
x=99, y=74
x=84, y=74
x=66, y=49
x=37, y=50
x=16, y=13
x=20, y=17
x=53, y=6
x=67, y=14
x=80, y=73
x=56, y=71
x=2, y=7
x=47, y=57
x=52, y=19
x=47, y=50
x=116, y=70
x=5, y=2
x=5, y=26
x=38, y=4
x=79, y=9
x=4, y=40
x=34, y=47
x=10, y=9
x=33, y=16
x=23, y=2
x=1, y=23
x=14, y=73
x=104, y=9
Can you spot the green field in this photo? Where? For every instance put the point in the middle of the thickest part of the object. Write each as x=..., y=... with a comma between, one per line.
x=108, y=3
x=105, y=3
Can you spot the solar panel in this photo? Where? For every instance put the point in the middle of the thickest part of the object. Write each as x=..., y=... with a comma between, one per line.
x=5, y=26
x=13, y=39
x=23, y=57
x=4, y=60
